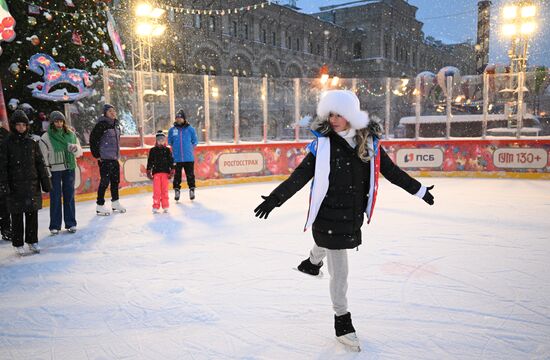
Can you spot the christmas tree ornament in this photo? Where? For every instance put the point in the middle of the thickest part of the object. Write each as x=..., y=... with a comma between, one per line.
x=83, y=59
x=115, y=37
x=7, y=23
x=54, y=52
x=106, y=50
x=14, y=68
x=31, y=20
x=35, y=40
x=100, y=31
x=54, y=74
x=48, y=16
x=62, y=66
x=69, y=3
x=13, y=104
x=34, y=10
x=76, y=39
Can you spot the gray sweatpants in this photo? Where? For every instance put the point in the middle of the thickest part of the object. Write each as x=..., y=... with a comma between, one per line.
x=338, y=269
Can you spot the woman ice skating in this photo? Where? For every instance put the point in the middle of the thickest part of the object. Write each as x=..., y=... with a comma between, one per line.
x=22, y=175
x=105, y=146
x=160, y=169
x=60, y=148
x=344, y=162
x=183, y=140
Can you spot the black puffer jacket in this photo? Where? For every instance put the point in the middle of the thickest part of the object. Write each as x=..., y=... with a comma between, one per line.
x=22, y=173
x=338, y=223
x=160, y=160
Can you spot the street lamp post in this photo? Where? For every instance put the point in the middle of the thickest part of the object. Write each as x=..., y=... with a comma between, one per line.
x=147, y=27
x=519, y=26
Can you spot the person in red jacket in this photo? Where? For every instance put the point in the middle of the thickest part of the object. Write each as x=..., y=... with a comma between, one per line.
x=160, y=169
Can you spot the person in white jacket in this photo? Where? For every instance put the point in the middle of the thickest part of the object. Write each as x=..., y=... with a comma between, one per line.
x=60, y=148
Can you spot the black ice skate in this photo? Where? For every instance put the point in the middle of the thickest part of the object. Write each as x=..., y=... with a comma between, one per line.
x=192, y=194
x=345, y=332
x=308, y=268
x=177, y=194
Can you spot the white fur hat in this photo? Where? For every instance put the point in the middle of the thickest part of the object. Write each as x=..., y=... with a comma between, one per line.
x=344, y=103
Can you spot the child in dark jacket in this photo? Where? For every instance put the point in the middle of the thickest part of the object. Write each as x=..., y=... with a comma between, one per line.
x=22, y=175
x=160, y=169
x=344, y=162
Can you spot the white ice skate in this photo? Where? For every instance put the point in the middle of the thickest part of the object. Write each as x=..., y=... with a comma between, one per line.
x=102, y=210
x=34, y=248
x=117, y=207
x=165, y=211
x=72, y=229
x=20, y=250
x=155, y=211
x=350, y=341
x=54, y=232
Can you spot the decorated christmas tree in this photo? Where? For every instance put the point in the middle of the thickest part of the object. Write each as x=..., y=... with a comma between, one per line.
x=74, y=40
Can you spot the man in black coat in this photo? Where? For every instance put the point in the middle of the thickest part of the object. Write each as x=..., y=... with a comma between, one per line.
x=22, y=176
x=5, y=219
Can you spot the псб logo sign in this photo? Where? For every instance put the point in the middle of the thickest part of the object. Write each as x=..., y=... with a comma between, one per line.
x=409, y=157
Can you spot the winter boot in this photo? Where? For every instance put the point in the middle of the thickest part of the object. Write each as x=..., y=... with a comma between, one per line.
x=19, y=250
x=102, y=210
x=117, y=207
x=34, y=248
x=192, y=194
x=345, y=332
x=308, y=268
x=177, y=194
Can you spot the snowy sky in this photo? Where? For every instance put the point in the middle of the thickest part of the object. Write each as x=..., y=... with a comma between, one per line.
x=456, y=21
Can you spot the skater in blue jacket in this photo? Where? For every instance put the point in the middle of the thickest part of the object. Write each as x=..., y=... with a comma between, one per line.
x=183, y=139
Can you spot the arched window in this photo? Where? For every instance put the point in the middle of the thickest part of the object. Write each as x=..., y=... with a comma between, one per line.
x=357, y=51
x=212, y=23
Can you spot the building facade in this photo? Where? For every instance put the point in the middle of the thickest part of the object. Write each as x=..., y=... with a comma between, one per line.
x=364, y=39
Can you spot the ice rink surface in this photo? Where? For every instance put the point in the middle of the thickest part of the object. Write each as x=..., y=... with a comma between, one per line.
x=467, y=278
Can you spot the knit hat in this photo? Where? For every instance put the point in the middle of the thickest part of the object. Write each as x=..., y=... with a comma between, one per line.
x=106, y=108
x=181, y=114
x=160, y=134
x=56, y=115
x=344, y=103
x=19, y=116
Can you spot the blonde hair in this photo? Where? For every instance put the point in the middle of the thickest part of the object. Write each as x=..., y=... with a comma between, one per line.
x=322, y=125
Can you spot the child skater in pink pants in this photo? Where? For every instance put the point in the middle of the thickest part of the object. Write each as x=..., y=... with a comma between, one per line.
x=160, y=169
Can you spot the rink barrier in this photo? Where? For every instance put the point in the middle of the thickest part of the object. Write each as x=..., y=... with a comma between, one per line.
x=254, y=162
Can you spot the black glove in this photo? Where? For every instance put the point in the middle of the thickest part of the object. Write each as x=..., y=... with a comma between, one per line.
x=428, y=197
x=263, y=210
x=46, y=184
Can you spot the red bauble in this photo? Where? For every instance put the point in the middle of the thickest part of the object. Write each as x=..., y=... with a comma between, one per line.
x=8, y=21
x=39, y=87
x=8, y=35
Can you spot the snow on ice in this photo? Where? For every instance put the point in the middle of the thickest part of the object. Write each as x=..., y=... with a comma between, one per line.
x=468, y=278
